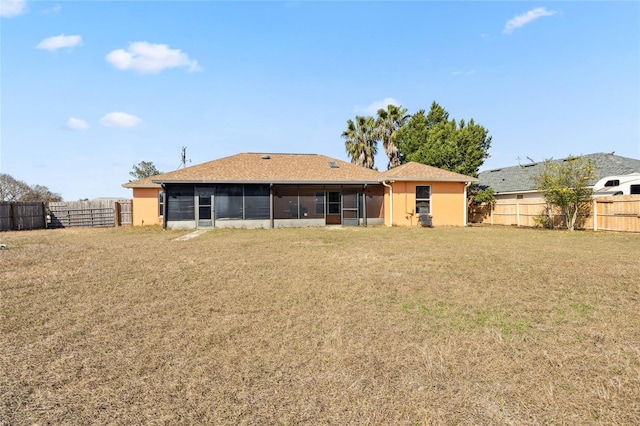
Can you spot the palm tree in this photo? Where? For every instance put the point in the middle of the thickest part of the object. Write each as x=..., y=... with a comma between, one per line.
x=388, y=122
x=361, y=140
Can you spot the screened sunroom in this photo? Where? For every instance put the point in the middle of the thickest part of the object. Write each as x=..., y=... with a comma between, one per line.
x=247, y=205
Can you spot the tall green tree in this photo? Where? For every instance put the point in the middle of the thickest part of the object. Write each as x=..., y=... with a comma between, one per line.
x=565, y=186
x=434, y=139
x=388, y=122
x=437, y=115
x=361, y=141
x=144, y=169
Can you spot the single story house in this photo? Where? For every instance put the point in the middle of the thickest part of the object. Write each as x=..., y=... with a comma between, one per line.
x=518, y=182
x=257, y=190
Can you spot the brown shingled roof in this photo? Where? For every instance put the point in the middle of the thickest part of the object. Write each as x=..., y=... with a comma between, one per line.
x=294, y=168
x=272, y=168
x=143, y=183
x=420, y=172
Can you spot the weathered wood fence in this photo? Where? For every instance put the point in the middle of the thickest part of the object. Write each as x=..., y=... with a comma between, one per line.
x=95, y=213
x=19, y=215
x=615, y=213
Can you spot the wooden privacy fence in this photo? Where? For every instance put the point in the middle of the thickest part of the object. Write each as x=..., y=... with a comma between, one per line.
x=95, y=213
x=615, y=213
x=19, y=215
x=124, y=212
x=618, y=213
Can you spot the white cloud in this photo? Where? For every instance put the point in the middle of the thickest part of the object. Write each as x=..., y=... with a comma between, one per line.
x=373, y=108
x=120, y=119
x=11, y=8
x=58, y=42
x=77, y=124
x=470, y=72
x=530, y=16
x=148, y=58
x=55, y=10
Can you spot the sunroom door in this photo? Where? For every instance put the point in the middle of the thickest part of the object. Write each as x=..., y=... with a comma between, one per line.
x=350, y=211
x=204, y=207
x=334, y=208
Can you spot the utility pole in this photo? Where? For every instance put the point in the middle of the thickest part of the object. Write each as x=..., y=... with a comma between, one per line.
x=183, y=157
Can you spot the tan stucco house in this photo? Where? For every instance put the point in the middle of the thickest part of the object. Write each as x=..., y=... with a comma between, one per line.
x=257, y=190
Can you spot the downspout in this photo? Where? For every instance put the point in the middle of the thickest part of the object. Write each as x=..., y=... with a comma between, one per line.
x=466, y=204
x=390, y=201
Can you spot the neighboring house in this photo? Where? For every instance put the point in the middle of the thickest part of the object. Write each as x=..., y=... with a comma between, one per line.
x=280, y=190
x=518, y=182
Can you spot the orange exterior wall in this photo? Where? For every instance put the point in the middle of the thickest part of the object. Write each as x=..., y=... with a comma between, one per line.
x=448, y=204
x=145, y=206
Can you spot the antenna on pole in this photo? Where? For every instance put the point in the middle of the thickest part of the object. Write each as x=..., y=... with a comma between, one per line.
x=183, y=157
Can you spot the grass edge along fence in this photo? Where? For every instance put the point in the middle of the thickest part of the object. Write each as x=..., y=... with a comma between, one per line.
x=94, y=213
x=619, y=213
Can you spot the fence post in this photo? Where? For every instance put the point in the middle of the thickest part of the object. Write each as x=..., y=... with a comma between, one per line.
x=492, y=213
x=12, y=215
x=116, y=213
x=517, y=213
x=595, y=215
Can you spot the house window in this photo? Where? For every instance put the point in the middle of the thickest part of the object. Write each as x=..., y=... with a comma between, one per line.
x=423, y=199
x=161, y=203
x=519, y=197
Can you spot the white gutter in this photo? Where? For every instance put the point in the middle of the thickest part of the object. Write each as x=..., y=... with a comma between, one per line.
x=390, y=201
x=466, y=204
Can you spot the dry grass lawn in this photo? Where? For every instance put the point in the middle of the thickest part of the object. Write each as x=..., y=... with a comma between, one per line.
x=476, y=326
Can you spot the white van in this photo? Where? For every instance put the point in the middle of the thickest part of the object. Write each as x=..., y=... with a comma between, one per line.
x=617, y=185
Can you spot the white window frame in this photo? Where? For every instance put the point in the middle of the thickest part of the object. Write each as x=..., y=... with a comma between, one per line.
x=161, y=201
x=422, y=199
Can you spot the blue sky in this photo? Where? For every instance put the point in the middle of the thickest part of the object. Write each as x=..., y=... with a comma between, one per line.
x=90, y=88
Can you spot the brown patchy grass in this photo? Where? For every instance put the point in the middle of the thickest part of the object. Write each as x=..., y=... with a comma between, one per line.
x=320, y=326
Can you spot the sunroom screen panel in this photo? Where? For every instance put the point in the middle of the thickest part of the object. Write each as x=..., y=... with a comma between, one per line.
x=256, y=202
x=229, y=202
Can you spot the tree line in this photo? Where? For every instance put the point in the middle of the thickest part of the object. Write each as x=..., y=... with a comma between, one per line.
x=12, y=189
x=429, y=138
